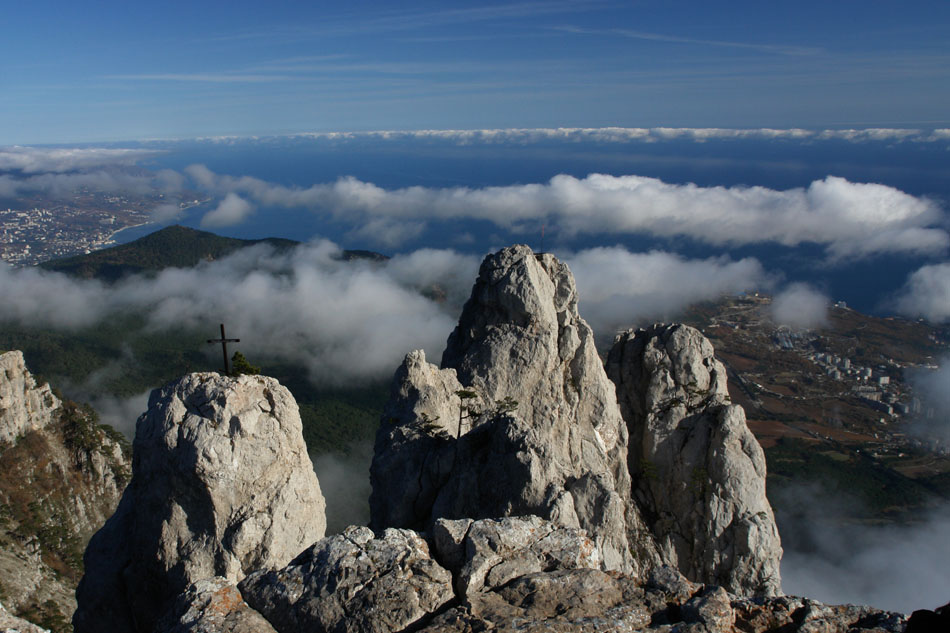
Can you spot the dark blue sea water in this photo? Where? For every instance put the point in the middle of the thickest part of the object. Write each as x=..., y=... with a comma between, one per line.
x=920, y=169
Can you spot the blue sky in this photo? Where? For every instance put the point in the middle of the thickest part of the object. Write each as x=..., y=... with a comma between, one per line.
x=110, y=71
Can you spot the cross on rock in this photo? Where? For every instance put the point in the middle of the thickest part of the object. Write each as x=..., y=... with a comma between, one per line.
x=224, y=348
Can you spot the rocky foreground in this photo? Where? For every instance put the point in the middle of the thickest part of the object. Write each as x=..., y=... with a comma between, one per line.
x=518, y=486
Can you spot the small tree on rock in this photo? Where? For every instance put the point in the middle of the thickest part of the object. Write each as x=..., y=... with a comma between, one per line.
x=239, y=366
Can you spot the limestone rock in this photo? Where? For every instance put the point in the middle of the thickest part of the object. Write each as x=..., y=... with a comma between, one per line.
x=11, y=624
x=698, y=472
x=538, y=426
x=24, y=405
x=489, y=553
x=355, y=583
x=213, y=605
x=511, y=574
x=221, y=485
x=61, y=476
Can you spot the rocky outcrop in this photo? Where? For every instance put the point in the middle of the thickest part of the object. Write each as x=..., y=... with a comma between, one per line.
x=520, y=419
x=509, y=574
x=221, y=485
x=698, y=473
x=9, y=623
x=61, y=475
x=353, y=582
x=213, y=605
x=24, y=405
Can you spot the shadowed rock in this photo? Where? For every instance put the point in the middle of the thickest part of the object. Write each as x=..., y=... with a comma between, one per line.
x=698, y=472
x=522, y=388
x=221, y=485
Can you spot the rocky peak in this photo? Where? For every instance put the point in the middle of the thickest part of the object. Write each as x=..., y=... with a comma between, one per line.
x=24, y=405
x=221, y=485
x=698, y=473
x=520, y=419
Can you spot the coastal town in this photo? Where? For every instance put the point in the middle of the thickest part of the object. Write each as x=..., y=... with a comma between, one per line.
x=39, y=229
x=850, y=381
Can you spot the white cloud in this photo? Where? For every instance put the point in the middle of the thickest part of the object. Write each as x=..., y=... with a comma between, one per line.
x=800, y=306
x=354, y=320
x=851, y=220
x=232, y=210
x=933, y=422
x=33, y=160
x=898, y=568
x=61, y=184
x=873, y=134
x=618, y=289
x=927, y=293
x=618, y=135
x=165, y=213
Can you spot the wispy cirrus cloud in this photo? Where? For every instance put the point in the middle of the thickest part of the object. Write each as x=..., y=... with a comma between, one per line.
x=778, y=49
x=217, y=78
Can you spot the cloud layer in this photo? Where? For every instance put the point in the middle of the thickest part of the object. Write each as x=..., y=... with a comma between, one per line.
x=622, y=135
x=353, y=320
x=34, y=160
x=927, y=293
x=800, y=306
x=851, y=220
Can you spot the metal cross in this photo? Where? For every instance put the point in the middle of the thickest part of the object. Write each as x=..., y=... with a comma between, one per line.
x=224, y=348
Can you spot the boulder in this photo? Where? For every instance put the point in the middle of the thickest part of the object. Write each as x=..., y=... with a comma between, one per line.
x=698, y=473
x=221, y=485
x=213, y=605
x=520, y=418
x=24, y=405
x=354, y=583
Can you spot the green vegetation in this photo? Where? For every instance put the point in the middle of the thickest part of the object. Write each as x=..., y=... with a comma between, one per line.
x=882, y=492
x=239, y=366
x=83, y=432
x=175, y=246
x=48, y=616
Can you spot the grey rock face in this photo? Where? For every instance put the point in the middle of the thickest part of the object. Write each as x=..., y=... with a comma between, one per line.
x=538, y=427
x=24, y=405
x=221, y=485
x=61, y=476
x=489, y=553
x=213, y=605
x=698, y=472
x=354, y=583
x=510, y=574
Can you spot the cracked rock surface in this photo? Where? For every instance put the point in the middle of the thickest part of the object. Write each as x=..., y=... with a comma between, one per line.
x=353, y=582
x=24, y=405
x=698, y=473
x=520, y=419
x=513, y=574
x=221, y=485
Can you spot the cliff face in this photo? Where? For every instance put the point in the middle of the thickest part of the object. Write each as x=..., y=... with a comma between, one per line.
x=24, y=405
x=520, y=419
x=61, y=476
x=221, y=485
x=698, y=472
x=559, y=448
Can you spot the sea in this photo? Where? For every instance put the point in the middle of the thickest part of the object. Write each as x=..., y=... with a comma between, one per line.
x=867, y=284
